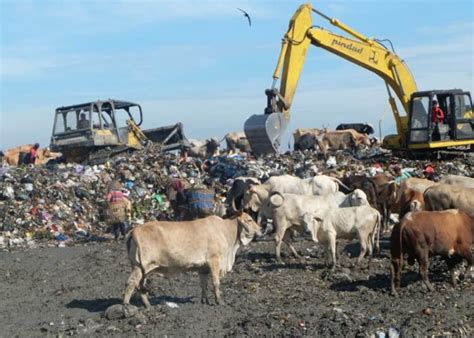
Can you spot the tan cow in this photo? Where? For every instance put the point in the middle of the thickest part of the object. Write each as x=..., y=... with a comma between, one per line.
x=237, y=140
x=445, y=196
x=336, y=140
x=359, y=138
x=463, y=181
x=298, y=133
x=206, y=245
x=12, y=156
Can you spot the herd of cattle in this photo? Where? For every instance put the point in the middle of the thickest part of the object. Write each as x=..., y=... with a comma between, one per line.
x=351, y=137
x=435, y=219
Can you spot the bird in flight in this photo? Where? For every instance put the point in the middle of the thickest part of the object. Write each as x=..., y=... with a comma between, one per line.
x=246, y=15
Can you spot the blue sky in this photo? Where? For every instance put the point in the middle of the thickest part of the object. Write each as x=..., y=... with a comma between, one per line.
x=198, y=62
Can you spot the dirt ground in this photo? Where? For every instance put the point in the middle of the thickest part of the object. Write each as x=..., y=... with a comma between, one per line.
x=65, y=291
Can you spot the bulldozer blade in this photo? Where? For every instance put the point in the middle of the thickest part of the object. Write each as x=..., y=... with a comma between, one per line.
x=264, y=132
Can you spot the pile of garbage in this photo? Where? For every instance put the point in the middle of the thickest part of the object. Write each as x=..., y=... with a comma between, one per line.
x=62, y=204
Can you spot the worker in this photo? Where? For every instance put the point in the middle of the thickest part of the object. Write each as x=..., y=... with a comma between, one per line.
x=119, y=210
x=32, y=155
x=437, y=117
x=83, y=123
x=400, y=175
x=437, y=114
x=430, y=173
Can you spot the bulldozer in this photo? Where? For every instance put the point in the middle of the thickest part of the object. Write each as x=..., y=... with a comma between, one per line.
x=93, y=132
x=416, y=129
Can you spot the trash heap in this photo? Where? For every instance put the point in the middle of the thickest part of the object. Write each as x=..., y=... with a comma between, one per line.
x=63, y=204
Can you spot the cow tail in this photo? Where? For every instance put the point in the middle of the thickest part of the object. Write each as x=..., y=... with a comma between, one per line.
x=131, y=238
x=376, y=231
x=338, y=181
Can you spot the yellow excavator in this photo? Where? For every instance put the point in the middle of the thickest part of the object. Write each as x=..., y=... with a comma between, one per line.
x=415, y=129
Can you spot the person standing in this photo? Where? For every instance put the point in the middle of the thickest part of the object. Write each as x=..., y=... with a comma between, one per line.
x=118, y=211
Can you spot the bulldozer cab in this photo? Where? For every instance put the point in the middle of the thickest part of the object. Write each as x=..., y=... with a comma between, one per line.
x=79, y=128
x=428, y=130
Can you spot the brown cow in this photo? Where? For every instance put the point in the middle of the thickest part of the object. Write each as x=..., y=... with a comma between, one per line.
x=411, y=200
x=413, y=183
x=206, y=245
x=424, y=234
x=445, y=196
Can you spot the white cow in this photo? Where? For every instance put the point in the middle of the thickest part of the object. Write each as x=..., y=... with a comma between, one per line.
x=318, y=185
x=206, y=245
x=348, y=223
x=289, y=211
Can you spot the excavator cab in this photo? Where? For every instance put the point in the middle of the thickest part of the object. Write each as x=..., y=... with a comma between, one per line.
x=456, y=128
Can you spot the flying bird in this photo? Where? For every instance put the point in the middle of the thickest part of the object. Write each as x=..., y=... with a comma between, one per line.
x=246, y=15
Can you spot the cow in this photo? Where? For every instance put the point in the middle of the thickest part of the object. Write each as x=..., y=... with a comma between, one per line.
x=410, y=200
x=425, y=234
x=43, y=155
x=413, y=183
x=237, y=140
x=445, y=196
x=361, y=140
x=306, y=142
x=300, y=132
x=381, y=191
x=206, y=245
x=363, y=128
x=235, y=195
x=202, y=148
x=463, y=181
x=359, y=221
x=290, y=211
x=317, y=185
x=333, y=141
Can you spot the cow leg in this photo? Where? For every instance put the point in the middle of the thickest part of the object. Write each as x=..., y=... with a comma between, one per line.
x=132, y=284
x=214, y=266
x=395, y=269
x=363, y=247
x=280, y=233
x=451, y=262
x=423, y=262
x=332, y=246
x=203, y=277
x=143, y=293
x=287, y=239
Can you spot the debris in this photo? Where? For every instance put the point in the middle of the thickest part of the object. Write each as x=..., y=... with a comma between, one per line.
x=428, y=311
x=172, y=305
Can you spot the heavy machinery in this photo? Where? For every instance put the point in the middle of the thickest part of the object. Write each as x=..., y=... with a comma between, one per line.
x=414, y=129
x=94, y=131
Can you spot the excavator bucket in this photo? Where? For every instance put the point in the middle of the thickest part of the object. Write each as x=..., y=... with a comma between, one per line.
x=264, y=132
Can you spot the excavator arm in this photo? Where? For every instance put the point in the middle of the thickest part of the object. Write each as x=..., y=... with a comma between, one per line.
x=363, y=51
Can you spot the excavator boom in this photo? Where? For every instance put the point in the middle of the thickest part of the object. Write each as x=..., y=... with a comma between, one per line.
x=262, y=130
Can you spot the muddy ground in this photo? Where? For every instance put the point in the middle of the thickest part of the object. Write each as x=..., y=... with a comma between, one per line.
x=65, y=291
